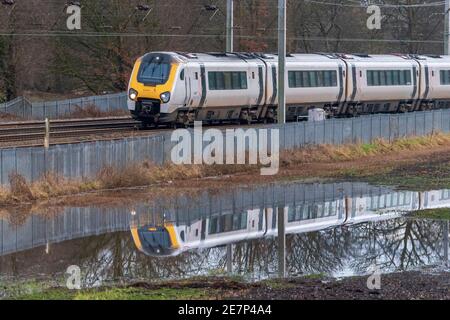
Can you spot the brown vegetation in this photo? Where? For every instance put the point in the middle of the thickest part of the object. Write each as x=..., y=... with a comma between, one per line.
x=9, y=117
x=379, y=147
x=92, y=111
x=68, y=65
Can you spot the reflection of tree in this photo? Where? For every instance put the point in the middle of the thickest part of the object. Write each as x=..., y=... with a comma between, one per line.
x=397, y=245
x=113, y=256
x=394, y=245
x=256, y=257
x=322, y=252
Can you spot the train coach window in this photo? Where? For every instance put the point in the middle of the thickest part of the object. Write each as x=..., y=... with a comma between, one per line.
x=182, y=75
x=402, y=77
x=305, y=80
x=308, y=79
x=227, y=80
x=396, y=79
x=445, y=77
x=389, y=77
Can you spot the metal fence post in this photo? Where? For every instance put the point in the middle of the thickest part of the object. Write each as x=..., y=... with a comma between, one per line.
x=47, y=134
x=23, y=108
x=163, y=142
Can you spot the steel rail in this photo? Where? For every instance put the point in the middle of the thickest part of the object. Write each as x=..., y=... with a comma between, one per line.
x=33, y=130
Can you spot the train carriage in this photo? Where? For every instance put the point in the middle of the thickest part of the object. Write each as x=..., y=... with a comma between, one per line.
x=380, y=83
x=312, y=81
x=435, y=82
x=180, y=88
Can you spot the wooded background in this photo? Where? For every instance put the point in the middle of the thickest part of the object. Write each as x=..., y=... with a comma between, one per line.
x=41, y=59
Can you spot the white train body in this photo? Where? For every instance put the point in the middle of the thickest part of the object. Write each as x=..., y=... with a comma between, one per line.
x=169, y=87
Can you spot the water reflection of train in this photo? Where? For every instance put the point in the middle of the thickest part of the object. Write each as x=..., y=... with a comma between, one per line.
x=171, y=237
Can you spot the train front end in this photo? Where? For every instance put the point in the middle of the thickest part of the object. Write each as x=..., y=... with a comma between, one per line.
x=151, y=87
x=156, y=240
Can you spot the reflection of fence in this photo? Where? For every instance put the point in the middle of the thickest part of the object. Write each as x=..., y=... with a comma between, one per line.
x=86, y=159
x=75, y=223
x=21, y=107
x=305, y=203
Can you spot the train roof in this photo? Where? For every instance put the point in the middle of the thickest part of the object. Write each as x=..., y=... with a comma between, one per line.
x=239, y=56
x=307, y=57
x=431, y=59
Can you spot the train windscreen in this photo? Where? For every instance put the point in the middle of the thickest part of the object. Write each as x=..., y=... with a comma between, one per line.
x=154, y=70
x=155, y=241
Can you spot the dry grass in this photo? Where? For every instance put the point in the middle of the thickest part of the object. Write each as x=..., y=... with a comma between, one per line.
x=348, y=152
x=92, y=111
x=146, y=173
x=88, y=111
x=10, y=117
x=21, y=191
x=141, y=175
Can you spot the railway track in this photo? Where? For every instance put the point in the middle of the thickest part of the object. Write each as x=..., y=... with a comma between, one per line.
x=35, y=130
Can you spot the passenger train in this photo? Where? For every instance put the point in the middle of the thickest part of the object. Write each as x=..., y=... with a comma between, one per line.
x=179, y=88
x=170, y=238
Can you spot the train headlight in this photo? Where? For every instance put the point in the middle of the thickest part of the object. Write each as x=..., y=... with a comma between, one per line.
x=133, y=94
x=165, y=97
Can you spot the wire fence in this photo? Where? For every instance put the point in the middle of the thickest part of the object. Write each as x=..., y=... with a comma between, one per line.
x=85, y=160
x=23, y=108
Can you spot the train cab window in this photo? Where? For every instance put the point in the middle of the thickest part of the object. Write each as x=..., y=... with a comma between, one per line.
x=445, y=77
x=154, y=71
x=236, y=80
x=312, y=79
x=182, y=75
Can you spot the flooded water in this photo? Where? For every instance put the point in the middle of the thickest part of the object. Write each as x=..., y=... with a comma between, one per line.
x=337, y=229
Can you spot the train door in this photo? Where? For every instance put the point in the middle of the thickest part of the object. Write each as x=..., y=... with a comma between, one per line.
x=427, y=75
x=193, y=86
x=423, y=83
x=187, y=87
